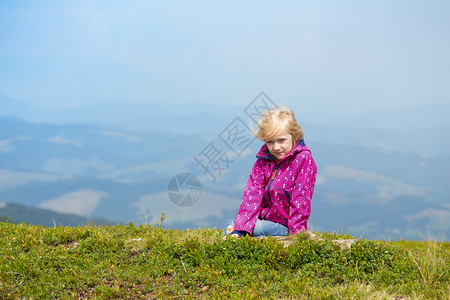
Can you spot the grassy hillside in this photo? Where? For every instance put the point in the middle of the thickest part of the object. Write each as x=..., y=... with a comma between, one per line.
x=134, y=262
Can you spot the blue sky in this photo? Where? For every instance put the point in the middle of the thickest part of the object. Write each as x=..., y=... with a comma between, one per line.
x=340, y=55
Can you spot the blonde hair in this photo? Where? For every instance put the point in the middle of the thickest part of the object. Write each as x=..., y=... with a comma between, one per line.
x=278, y=119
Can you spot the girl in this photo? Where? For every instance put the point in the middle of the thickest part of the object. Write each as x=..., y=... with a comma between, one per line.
x=277, y=197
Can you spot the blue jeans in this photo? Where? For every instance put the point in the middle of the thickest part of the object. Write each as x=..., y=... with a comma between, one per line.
x=266, y=228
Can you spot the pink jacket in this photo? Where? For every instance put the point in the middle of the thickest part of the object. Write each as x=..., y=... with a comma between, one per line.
x=280, y=191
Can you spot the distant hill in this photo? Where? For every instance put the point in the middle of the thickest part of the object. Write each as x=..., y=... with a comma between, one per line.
x=17, y=213
x=123, y=175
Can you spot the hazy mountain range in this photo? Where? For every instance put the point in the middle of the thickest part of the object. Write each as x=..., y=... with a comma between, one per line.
x=415, y=129
x=113, y=162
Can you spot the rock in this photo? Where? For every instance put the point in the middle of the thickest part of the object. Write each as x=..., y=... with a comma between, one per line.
x=289, y=240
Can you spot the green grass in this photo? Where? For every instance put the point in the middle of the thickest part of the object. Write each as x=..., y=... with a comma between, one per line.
x=141, y=262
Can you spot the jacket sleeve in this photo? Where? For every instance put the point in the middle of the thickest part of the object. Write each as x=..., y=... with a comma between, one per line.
x=300, y=206
x=251, y=200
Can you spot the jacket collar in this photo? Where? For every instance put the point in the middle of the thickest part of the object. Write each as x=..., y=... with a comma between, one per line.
x=265, y=154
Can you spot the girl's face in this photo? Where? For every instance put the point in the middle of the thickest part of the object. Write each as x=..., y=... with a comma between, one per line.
x=280, y=145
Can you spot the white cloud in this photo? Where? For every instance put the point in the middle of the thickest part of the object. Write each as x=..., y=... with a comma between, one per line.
x=6, y=146
x=60, y=140
x=121, y=134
